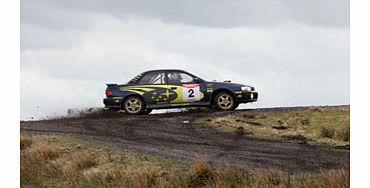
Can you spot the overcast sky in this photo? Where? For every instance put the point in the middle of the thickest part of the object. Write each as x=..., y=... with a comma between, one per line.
x=293, y=52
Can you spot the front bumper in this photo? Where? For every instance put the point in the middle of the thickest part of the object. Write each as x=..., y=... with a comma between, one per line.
x=112, y=102
x=246, y=96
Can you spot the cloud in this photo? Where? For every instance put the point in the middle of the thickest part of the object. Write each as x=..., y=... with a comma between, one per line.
x=34, y=37
x=212, y=13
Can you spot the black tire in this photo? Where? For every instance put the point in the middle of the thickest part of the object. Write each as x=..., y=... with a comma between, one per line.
x=133, y=105
x=146, y=111
x=225, y=101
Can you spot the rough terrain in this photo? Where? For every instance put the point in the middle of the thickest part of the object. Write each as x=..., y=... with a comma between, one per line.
x=177, y=136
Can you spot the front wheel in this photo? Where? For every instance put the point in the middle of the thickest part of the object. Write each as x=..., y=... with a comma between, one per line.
x=225, y=101
x=134, y=105
x=147, y=111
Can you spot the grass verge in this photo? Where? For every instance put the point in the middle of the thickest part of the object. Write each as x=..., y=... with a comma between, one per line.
x=66, y=161
x=329, y=126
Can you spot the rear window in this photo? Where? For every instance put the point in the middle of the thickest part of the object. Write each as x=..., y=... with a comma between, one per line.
x=135, y=79
x=153, y=78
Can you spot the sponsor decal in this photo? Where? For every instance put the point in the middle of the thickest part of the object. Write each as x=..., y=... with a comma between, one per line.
x=190, y=85
x=209, y=88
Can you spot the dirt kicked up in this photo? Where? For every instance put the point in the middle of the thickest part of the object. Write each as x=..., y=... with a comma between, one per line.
x=179, y=136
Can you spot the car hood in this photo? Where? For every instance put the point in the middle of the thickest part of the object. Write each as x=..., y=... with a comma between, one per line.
x=230, y=84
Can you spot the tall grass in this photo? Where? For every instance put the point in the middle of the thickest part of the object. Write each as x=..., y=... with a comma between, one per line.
x=25, y=141
x=35, y=166
x=48, y=165
x=200, y=173
x=83, y=160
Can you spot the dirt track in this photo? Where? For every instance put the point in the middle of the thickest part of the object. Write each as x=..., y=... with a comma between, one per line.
x=166, y=135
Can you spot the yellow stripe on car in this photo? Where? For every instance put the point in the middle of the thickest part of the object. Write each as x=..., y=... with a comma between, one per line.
x=147, y=88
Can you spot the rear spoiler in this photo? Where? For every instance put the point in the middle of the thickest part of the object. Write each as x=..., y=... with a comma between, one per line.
x=111, y=85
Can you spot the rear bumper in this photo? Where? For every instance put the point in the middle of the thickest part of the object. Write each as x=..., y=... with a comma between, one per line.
x=245, y=97
x=112, y=102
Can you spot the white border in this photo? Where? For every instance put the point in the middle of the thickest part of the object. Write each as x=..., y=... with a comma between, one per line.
x=9, y=66
x=9, y=93
x=360, y=95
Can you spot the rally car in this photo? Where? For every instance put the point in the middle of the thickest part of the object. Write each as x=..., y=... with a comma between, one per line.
x=159, y=89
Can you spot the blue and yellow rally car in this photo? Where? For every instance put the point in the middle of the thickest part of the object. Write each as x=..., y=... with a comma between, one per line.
x=159, y=89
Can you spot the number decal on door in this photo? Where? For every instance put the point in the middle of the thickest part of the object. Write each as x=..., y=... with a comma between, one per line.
x=190, y=92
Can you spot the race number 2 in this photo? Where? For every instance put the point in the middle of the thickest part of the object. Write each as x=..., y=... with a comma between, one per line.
x=190, y=92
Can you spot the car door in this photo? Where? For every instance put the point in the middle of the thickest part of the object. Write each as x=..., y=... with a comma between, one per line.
x=154, y=88
x=183, y=88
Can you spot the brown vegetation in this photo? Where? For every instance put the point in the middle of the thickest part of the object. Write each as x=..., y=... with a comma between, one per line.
x=25, y=141
x=318, y=125
x=57, y=162
x=327, y=132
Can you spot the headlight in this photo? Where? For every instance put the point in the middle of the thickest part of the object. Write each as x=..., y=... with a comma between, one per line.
x=246, y=88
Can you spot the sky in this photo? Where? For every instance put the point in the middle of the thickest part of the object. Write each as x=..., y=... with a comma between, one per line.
x=293, y=52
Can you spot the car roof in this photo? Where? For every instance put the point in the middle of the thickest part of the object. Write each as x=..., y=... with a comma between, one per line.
x=156, y=70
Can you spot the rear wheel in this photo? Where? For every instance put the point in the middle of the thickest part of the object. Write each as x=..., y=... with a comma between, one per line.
x=225, y=101
x=134, y=105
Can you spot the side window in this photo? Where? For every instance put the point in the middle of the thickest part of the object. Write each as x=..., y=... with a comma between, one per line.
x=179, y=77
x=153, y=78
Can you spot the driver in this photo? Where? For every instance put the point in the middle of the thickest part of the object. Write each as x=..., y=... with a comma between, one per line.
x=175, y=77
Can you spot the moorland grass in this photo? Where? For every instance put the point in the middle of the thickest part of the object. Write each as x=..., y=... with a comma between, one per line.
x=329, y=126
x=65, y=161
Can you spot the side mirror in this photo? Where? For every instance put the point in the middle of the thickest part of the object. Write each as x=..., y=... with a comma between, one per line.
x=197, y=80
